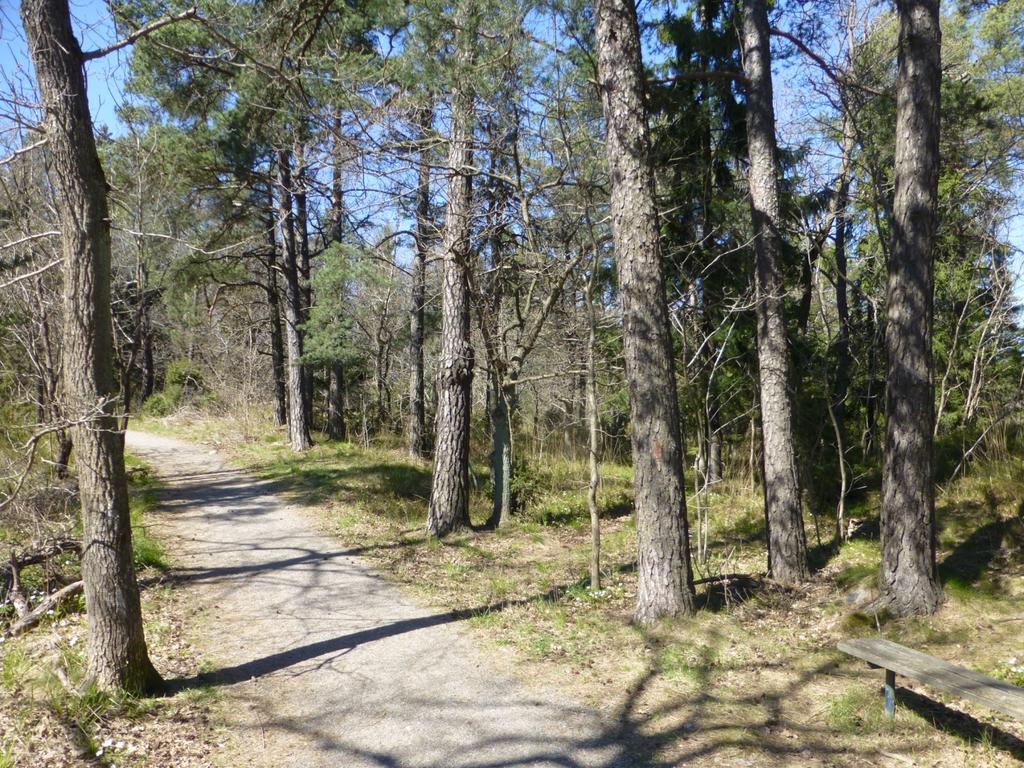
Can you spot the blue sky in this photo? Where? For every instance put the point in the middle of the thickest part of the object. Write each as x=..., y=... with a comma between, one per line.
x=94, y=28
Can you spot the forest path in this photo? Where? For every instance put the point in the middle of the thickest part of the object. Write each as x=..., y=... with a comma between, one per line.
x=326, y=664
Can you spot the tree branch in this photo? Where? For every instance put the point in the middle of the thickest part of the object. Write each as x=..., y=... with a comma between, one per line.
x=138, y=34
x=838, y=78
x=688, y=77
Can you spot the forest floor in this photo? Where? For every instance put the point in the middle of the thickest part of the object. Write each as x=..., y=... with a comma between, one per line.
x=50, y=719
x=753, y=680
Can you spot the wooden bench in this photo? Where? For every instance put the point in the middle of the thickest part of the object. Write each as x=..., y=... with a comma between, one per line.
x=896, y=659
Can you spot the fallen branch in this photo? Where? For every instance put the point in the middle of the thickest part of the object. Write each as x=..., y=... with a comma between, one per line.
x=32, y=618
x=14, y=593
x=39, y=553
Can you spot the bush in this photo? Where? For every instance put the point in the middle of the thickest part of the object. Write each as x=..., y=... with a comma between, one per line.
x=158, y=404
x=183, y=382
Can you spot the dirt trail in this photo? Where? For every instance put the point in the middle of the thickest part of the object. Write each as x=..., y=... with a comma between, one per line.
x=323, y=662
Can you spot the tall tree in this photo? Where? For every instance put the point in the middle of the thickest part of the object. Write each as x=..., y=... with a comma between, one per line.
x=909, y=581
x=277, y=363
x=663, y=552
x=449, y=491
x=294, y=316
x=417, y=408
x=117, y=654
x=787, y=547
x=336, y=426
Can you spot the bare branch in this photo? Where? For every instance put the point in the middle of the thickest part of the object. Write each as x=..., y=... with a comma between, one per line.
x=31, y=274
x=138, y=34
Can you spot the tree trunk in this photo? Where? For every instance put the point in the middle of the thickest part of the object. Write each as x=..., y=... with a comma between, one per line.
x=417, y=411
x=713, y=433
x=663, y=552
x=808, y=266
x=909, y=582
x=336, y=428
x=593, y=428
x=503, y=404
x=336, y=402
x=298, y=413
x=306, y=286
x=148, y=370
x=842, y=382
x=787, y=547
x=449, y=492
x=63, y=458
x=274, y=311
x=116, y=645
x=714, y=473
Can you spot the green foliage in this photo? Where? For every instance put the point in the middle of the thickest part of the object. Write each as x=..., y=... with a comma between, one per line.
x=183, y=383
x=329, y=329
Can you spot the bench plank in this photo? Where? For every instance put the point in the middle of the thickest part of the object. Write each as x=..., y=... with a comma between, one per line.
x=968, y=684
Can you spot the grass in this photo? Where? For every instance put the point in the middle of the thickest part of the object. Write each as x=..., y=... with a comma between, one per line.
x=148, y=551
x=858, y=712
x=51, y=716
x=755, y=677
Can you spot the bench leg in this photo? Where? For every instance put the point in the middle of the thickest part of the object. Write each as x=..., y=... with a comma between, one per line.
x=890, y=694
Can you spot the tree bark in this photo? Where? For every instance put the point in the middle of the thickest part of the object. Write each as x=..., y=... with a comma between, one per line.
x=336, y=402
x=336, y=427
x=502, y=409
x=417, y=411
x=449, y=492
x=593, y=428
x=298, y=413
x=306, y=286
x=842, y=345
x=274, y=312
x=116, y=645
x=663, y=552
x=148, y=369
x=909, y=581
x=787, y=547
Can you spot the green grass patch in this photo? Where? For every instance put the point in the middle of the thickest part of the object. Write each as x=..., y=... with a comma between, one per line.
x=144, y=496
x=858, y=711
x=688, y=662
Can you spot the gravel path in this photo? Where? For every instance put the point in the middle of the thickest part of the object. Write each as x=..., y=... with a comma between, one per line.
x=323, y=662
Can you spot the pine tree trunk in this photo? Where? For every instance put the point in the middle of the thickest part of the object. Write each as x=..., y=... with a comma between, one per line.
x=663, y=552
x=842, y=382
x=336, y=427
x=714, y=474
x=909, y=582
x=787, y=547
x=306, y=285
x=116, y=645
x=417, y=411
x=336, y=402
x=277, y=364
x=298, y=413
x=148, y=371
x=449, y=492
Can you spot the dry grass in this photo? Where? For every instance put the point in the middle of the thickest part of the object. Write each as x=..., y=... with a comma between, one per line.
x=754, y=678
x=50, y=719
